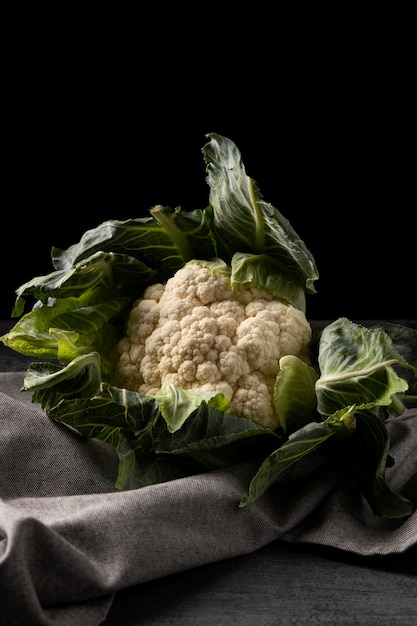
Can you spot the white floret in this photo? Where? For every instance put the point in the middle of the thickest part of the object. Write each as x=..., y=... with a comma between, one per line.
x=254, y=398
x=197, y=333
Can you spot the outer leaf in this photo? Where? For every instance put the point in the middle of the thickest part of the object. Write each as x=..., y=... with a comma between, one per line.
x=101, y=269
x=148, y=451
x=294, y=394
x=367, y=458
x=137, y=470
x=208, y=428
x=207, y=438
x=94, y=418
x=299, y=445
x=404, y=339
x=163, y=241
x=72, y=327
x=141, y=412
x=243, y=222
x=177, y=404
x=267, y=272
x=357, y=367
x=51, y=384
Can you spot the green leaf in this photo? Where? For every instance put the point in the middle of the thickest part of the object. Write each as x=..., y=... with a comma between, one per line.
x=357, y=367
x=73, y=327
x=109, y=411
x=177, y=404
x=209, y=428
x=243, y=222
x=299, y=444
x=268, y=273
x=294, y=393
x=368, y=459
x=148, y=451
x=102, y=269
x=404, y=339
x=94, y=418
x=164, y=241
x=140, y=470
x=52, y=384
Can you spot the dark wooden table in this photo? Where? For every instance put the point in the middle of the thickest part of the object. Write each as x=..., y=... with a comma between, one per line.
x=279, y=584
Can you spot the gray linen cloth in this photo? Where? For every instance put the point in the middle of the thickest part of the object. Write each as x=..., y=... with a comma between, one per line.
x=69, y=540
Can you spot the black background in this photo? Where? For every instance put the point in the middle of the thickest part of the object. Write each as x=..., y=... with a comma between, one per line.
x=96, y=132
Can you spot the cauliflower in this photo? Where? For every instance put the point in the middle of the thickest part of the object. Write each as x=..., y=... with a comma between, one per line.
x=196, y=332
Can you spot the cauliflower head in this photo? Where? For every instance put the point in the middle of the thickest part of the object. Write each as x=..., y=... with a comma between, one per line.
x=196, y=332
